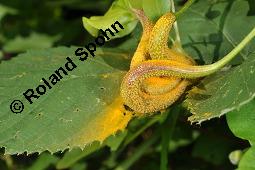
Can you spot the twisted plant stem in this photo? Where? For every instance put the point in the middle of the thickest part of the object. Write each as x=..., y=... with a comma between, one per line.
x=219, y=64
x=209, y=69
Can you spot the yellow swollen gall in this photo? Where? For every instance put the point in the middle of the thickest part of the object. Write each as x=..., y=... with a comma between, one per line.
x=159, y=75
x=145, y=93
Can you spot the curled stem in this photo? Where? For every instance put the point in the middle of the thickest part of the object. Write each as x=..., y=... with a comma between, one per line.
x=171, y=68
x=219, y=64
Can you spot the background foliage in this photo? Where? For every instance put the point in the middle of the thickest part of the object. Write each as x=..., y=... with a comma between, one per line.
x=83, y=110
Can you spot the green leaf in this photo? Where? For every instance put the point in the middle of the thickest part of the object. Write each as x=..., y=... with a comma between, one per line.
x=223, y=92
x=183, y=136
x=247, y=162
x=1, y=56
x=71, y=157
x=79, y=166
x=211, y=29
x=137, y=4
x=43, y=162
x=4, y=10
x=33, y=41
x=76, y=154
x=154, y=9
x=119, y=11
x=81, y=108
x=242, y=122
x=114, y=141
x=203, y=148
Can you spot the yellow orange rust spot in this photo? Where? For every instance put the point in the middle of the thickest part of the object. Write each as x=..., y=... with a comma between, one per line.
x=112, y=119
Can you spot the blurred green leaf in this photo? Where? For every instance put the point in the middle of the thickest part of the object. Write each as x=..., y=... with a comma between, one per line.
x=242, y=122
x=114, y=141
x=81, y=4
x=79, y=166
x=71, y=157
x=76, y=154
x=183, y=136
x=154, y=9
x=4, y=10
x=33, y=41
x=247, y=162
x=212, y=149
x=139, y=127
x=119, y=11
x=139, y=151
x=43, y=162
x=1, y=55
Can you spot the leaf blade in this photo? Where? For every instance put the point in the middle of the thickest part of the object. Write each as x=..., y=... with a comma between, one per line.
x=83, y=107
x=221, y=93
